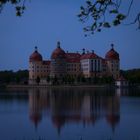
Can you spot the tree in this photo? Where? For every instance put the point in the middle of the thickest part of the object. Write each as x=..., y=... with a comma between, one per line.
x=14, y=77
x=55, y=80
x=38, y=80
x=18, y=4
x=95, y=11
x=48, y=79
x=132, y=75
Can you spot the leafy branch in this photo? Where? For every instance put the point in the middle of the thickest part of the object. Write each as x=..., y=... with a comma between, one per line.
x=18, y=4
x=95, y=12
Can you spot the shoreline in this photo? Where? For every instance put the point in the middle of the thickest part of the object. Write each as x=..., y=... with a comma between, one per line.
x=57, y=86
x=15, y=86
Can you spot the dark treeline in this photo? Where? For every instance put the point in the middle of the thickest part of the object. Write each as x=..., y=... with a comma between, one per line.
x=21, y=77
x=70, y=80
x=132, y=75
x=18, y=77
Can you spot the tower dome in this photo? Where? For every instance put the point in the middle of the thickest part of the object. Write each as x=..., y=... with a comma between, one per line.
x=58, y=52
x=112, y=54
x=35, y=56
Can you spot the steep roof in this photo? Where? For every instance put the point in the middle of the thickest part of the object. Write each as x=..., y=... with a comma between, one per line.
x=58, y=52
x=35, y=56
x=73, y=57
x=90, y=55
x=112, y=54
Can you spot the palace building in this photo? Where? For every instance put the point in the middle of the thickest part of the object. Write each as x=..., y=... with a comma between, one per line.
x=87, y=64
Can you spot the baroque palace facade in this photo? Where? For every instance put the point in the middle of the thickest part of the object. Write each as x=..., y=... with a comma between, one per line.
x=87, y=64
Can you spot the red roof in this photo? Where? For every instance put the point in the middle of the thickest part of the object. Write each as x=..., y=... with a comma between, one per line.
x=73, y=57
x=58, y=53
x=112, y=54
x=35, y=56
x=89, y=56
x=46, y=62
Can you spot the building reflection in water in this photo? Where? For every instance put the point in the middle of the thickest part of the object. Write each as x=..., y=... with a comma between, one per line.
x=65, y=105
x=38, y=102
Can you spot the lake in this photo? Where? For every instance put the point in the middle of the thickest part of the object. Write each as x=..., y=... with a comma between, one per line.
x=70, y=114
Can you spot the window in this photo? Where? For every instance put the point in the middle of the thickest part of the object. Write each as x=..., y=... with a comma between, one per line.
x=98, y=65
x=91, y=65
x=95, y=65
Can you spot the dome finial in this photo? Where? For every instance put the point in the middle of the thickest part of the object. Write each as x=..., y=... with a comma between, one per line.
x=58, y=44
x=112, y=45
x=35, y=48
x=83, y=51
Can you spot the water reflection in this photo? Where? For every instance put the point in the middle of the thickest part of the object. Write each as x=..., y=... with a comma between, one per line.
x=67, y=113
x=67, y=106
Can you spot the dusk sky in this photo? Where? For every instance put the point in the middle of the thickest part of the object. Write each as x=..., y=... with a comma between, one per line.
x=47, y=21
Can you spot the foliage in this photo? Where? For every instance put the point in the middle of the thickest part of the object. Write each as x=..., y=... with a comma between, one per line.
x=48, y=79
x=18, y=4
x=80, y=79
x=20, y=76
x=96, y=11
x=54, y=80
x=132, y=75
x=38, y=80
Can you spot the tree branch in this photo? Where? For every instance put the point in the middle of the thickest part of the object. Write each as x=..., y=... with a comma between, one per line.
x=97, y=10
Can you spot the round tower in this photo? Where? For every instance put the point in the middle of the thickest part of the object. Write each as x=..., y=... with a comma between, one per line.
x=113, y=62
x=58, y=62
x=35, y=61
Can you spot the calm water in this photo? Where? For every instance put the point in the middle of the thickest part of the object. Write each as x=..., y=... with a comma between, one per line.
x=70, y=114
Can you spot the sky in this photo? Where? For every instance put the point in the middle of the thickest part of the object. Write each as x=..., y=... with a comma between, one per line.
x=47, y=21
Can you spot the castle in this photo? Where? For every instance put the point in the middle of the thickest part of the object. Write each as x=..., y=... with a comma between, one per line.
x=87, y=64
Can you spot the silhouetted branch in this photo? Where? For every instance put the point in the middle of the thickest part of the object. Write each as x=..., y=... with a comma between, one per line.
x=18, y=4
x=136, y=20
x=129, y=7
x=95, y=12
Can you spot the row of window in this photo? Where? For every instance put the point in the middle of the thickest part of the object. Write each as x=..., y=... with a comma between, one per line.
x=41, y=76
x=114, y=62
x=39, y=67
x=86, y=60
x=85, y=65
x=113, y=65
x=72, y=69
x=115, y=69
x=85, y=69
x=40, y=70
x=72, y=65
